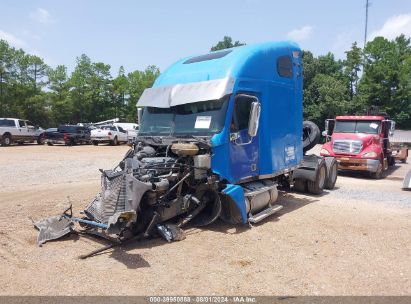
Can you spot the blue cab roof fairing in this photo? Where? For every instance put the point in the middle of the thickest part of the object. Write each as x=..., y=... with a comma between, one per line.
x=247, y=61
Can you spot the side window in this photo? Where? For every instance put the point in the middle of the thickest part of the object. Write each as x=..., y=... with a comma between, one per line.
x=22, y=123
x=285, y=66
x=121, y=130
x=241, y=113
x=7, y=123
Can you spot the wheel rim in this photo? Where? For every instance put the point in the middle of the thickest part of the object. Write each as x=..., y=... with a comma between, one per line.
x=7, y=141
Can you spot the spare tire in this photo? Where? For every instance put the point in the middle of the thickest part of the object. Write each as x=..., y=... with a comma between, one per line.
x=311, y=135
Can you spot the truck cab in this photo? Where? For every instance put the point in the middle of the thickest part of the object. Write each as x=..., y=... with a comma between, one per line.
x=360, y=143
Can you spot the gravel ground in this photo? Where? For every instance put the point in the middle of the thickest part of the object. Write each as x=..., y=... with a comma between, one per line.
x=354, y=240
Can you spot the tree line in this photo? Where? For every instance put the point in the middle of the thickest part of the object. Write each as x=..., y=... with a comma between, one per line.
x=379, y=75
x=47, y=96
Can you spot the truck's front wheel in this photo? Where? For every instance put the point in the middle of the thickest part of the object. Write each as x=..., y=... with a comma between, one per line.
x=377, y=174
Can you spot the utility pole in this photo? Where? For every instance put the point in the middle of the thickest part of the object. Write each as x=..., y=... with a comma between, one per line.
x=366, y=21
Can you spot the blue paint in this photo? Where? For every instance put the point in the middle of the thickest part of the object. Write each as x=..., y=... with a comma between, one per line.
x=236, y=192
x=254, y=68
x=87, y=222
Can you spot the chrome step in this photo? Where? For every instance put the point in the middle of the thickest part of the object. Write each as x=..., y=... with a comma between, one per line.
x=263, y=214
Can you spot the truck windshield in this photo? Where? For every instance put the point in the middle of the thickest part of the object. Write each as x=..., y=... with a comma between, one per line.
x=357, y=126
x=199, y=118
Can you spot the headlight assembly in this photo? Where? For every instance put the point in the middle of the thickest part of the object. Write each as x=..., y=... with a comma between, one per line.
x=369, y=155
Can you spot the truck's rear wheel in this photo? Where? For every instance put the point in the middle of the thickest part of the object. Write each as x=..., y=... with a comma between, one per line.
x=95, y=142
x=317, y=186
x=332, y=170
x=6, y=141
x=300, y=185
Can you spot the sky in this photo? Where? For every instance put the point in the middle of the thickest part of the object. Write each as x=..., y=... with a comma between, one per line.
x=136, y=34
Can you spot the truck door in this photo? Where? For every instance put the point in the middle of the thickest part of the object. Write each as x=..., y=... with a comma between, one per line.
x=23, y=133
x=244, y=153
x=31, y=130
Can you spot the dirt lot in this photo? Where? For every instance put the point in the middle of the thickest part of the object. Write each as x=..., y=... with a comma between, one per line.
x=355, y=240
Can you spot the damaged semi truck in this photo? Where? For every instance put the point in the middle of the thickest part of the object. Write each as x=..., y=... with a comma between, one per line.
x=220, y=133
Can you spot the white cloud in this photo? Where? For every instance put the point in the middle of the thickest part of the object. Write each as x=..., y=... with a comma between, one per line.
x=11, y=39
x=343, y=41
x=42, y=16
x=394, y=26
x=301, y=34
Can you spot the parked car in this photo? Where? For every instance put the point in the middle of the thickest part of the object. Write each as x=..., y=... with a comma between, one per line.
x=131, y=129
x=111, y=134
x=68, y=135
x=19, y=131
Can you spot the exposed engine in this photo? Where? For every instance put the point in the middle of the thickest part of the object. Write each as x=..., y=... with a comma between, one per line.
x=157, y=189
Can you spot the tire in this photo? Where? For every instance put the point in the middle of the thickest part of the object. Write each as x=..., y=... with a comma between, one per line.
x=378, y=173
x=95, y=143
x=332, y=170
x=41, y=139
x=317, y=186
x=49, y=144
x=114, y=142
x=300, y=185
x=311, y=135
x=6, y=140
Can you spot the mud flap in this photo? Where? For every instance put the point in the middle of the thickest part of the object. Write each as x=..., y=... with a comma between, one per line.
x=53, y=228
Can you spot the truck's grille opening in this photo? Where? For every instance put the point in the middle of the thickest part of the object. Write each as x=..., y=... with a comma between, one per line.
x=347, y=146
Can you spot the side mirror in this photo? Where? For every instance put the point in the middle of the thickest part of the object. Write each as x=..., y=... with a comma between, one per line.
x=254, y=118
x=392, y=127
x=327, y=122
x=139, y=115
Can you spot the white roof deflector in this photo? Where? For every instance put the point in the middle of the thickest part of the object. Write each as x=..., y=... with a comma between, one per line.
x=166, y=97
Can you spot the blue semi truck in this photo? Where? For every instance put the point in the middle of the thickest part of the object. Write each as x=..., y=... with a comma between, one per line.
x=220, y=133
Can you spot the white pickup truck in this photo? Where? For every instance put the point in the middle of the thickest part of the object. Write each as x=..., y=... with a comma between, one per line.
x=19, y=131
x=113, y=135
x=131, y=129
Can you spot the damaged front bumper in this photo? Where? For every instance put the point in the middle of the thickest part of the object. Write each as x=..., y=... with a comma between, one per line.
x=356, y=164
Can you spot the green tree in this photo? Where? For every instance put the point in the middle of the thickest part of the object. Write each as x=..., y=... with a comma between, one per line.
x=226, y=43
x=325, y=98
x=386, y=79
x=138, y=82
x=120, y=93
x=352, y=67
x=61, y=106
